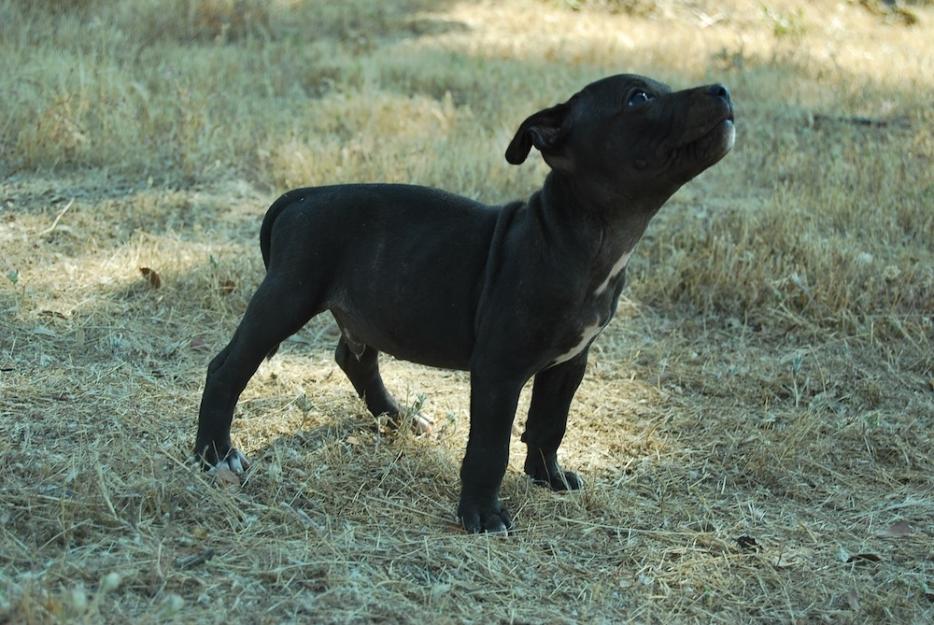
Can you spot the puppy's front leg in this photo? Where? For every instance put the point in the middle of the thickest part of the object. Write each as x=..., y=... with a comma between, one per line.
x=493, y=400
x=552, y=393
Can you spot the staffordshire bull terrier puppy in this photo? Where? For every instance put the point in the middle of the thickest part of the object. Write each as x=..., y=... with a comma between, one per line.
x=507, y=292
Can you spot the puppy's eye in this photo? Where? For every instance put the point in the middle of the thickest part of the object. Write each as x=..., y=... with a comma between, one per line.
x=638, y=97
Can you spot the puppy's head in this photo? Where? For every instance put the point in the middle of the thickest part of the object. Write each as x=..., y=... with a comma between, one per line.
x=630, y=135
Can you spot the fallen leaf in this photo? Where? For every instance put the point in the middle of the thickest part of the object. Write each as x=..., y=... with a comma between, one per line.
x=898, y=530
x=199, y=344
x=152, y=276
x=188, y=562
x=748, y=543
x=227, y=286
x=863, y=557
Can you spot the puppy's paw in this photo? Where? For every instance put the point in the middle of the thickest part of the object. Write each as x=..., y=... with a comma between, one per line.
x=547, y=472
x=560, y=481
x=420, y=423
x=213, y=462
x=479, y=517
x=234, y=461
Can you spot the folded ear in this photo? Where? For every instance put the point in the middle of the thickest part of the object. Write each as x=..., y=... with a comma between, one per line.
x=545, y=130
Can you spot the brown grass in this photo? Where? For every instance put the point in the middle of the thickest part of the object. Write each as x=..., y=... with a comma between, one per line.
x=755, y=426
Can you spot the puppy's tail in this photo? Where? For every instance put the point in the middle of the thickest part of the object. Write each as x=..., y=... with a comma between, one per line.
x=265, y=234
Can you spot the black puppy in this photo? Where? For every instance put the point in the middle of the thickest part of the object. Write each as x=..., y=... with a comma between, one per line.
x=506, y=292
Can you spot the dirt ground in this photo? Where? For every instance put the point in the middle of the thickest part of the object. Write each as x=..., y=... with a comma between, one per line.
x=755, y=424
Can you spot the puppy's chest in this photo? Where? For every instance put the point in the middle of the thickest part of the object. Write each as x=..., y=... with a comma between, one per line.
x=591, y=316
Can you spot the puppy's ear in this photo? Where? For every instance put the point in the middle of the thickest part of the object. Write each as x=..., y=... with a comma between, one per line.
x=545, y=130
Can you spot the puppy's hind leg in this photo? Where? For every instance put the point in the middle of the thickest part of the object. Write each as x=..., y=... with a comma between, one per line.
x=278, y=309
x=361, y=364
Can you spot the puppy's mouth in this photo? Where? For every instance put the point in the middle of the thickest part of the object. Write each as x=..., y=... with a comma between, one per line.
x=712, y=141
x=721, y=124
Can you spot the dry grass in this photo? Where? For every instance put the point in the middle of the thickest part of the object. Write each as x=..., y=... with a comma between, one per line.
x=755, y=426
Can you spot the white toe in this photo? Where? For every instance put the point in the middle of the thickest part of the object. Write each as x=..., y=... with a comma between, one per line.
x=422, y=424
x=235, y=463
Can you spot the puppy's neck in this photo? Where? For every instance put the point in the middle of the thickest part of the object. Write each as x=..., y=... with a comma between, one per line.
x=601, y=221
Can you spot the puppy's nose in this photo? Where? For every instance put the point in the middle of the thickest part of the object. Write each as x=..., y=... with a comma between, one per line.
x=719, y=91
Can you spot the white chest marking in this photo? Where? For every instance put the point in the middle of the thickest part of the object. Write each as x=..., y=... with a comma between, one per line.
x=591, y=331
x=614, y=271
x=587, y=335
